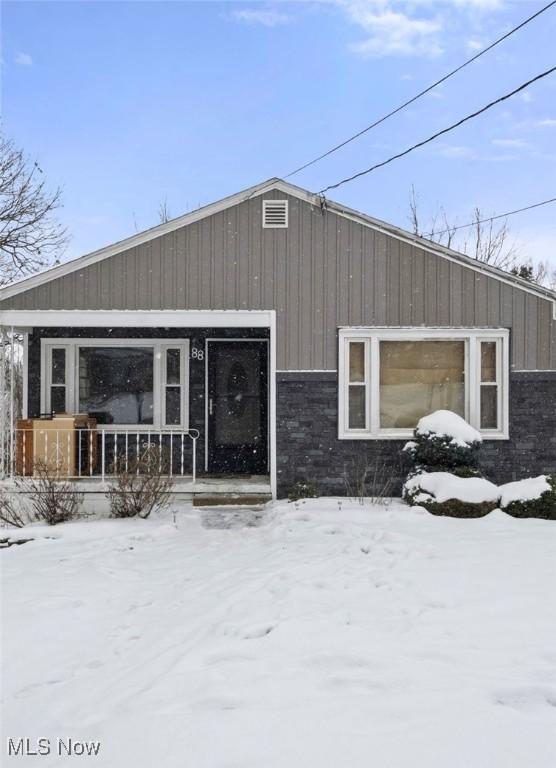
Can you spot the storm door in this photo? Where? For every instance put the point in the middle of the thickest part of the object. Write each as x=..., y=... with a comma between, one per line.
x=237, y=406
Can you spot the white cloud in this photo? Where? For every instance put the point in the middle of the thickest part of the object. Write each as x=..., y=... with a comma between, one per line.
x=438, y=93
x=480, y=5
x=456, y=151
x=525, y=96
x=266, y=17
x=548, y=122
x=392, y=33
x=23, y=59
x=510, y=143
x=474, y=45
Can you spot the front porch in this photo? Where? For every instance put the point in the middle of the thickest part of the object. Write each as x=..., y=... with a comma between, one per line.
x=205, y=490
x=96, y=389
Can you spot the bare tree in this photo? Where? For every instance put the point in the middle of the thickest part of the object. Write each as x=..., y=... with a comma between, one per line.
x=164, y=214
x=489, y=241
x=440, y=230
x=30, y=235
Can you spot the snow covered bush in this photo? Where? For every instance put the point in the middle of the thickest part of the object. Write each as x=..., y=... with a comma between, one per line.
x=533, y=497
x=444, y=442
x=141, y=485
x=443, y=493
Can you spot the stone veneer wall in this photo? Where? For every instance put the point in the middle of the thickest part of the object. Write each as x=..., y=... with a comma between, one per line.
x=308, y=447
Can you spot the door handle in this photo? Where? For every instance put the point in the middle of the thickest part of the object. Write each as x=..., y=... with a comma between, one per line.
x=210, y=406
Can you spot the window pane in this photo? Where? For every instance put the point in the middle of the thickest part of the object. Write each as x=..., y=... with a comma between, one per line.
x=488, y=361
x=58, y=399
x=357, y=407
x=357, y=361
x=173, y=405
x=58, y=366
x=489, y=407
x=419, y=377
x=116, y=384
x=172, y=366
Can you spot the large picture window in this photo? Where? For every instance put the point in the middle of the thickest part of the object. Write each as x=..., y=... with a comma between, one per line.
x=390, y=378
x=116, y=384
x=124, y=382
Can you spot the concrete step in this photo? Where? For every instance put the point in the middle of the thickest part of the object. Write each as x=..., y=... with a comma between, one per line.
x=230, y=499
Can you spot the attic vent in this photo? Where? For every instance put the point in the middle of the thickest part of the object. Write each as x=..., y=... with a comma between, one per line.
x=275, y=214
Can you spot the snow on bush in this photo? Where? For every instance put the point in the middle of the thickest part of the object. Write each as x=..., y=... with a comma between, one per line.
x=524, y=490
x=533, y=497
x=444, y=442
x=443, y=493
x=448, y=424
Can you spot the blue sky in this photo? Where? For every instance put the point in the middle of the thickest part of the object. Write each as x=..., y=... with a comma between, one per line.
x=127, y=104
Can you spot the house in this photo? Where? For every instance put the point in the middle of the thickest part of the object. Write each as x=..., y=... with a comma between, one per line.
x=281, y=337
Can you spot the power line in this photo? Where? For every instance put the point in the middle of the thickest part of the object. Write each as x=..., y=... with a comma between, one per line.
x=421, y=93
x=492, y=218
x=439, y=133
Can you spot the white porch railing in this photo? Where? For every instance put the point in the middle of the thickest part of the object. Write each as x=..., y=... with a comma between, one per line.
x=94, y=453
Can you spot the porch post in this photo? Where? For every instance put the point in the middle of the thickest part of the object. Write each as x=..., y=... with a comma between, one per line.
x=25, y=383
x=12, y=397
x=272, y=409
x=3, y=403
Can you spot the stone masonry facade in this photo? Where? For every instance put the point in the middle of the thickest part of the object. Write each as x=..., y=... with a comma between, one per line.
x=308, y=448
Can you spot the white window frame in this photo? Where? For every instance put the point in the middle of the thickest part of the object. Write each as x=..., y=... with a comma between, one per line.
x=472, y=376
x=182, y=385
x=159, y=347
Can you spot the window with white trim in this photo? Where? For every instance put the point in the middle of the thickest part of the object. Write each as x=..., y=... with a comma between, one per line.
x=58, y=378
x=390, y=378
x=173, y=386
x=121, y=382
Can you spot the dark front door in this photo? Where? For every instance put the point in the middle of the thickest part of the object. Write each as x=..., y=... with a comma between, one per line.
x=238, y=406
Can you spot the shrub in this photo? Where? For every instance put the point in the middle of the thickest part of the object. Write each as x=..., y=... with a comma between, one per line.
x=368, y=479
x=11, y=513
x=303, y=489
x=443, y=493
x=542, y=506
x=429, y=452
x=444, y=442
x=457, y=508
x=141, y=484
x=53, y=500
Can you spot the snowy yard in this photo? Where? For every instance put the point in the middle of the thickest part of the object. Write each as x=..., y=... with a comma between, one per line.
x=319, y=636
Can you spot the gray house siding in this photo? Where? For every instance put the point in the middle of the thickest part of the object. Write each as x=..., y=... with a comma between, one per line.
x=322, y=272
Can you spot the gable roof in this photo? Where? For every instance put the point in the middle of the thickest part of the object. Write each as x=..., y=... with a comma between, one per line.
x=259, y=189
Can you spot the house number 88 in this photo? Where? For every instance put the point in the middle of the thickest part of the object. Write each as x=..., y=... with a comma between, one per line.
x=197, y=354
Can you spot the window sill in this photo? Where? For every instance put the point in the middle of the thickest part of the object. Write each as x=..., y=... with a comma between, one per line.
x=406, y=434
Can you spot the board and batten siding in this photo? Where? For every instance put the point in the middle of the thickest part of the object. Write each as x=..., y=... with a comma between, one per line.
x=323, y=271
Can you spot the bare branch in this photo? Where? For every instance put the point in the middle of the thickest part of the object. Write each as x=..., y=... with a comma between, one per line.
x=31, y=237
x=485, y=240
x=164, y=212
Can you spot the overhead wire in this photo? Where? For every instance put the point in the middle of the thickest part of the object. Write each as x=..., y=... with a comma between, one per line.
x=436, y=135
x=423, y=92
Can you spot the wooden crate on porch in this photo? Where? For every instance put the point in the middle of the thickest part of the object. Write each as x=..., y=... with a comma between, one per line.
x=58, y=443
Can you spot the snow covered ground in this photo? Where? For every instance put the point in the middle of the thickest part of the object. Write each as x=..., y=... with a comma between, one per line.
x=318, y=635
